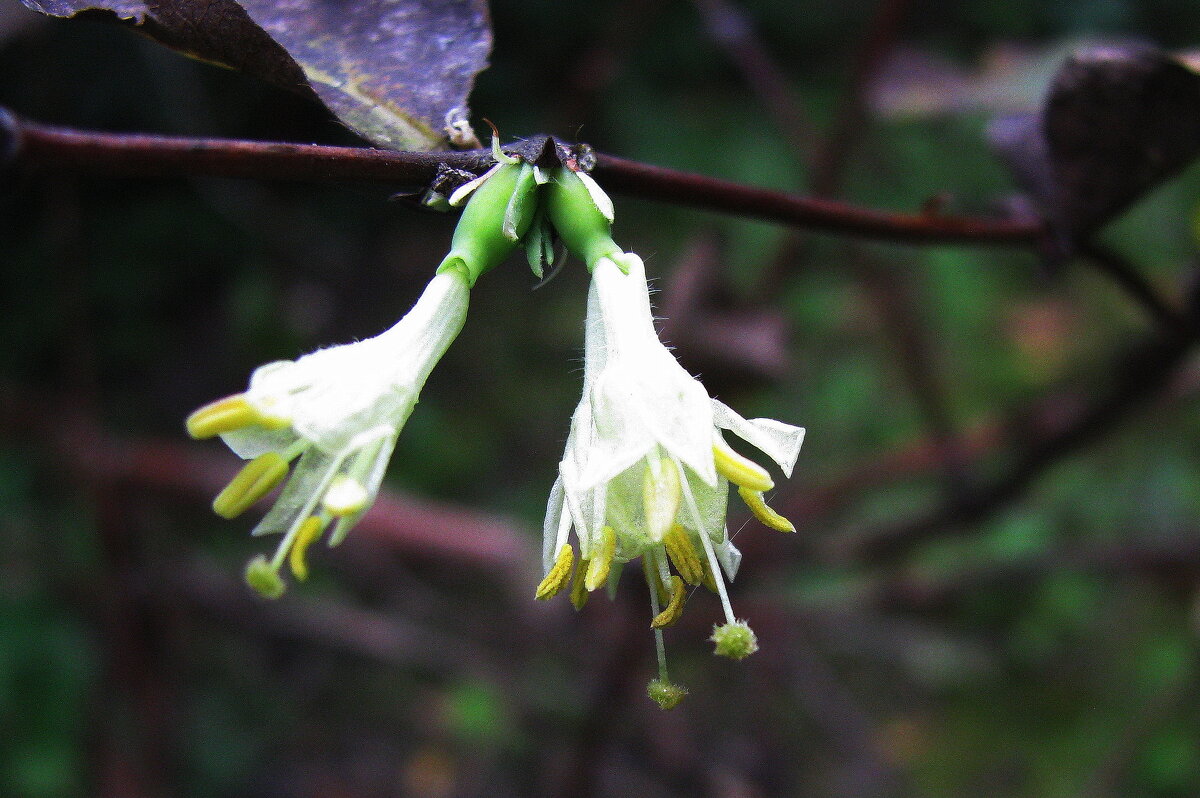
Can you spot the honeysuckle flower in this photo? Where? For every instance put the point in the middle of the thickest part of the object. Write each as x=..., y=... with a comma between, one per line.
x=335, y=414
x=647, y=469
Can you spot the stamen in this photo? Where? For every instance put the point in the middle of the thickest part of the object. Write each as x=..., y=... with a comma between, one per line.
x=229, y=414
x=661, y=494
x=598, y=565
x=683, y=555
x=739, y=470
x=310, y=530
x=674, y=607
x=559, y=575
x=579, y=591
x=346, y=496
x=754, y=500
x=256, y=479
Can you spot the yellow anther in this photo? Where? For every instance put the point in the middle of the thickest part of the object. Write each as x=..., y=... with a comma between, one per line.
x=598, y=565
x=579, y=592
x=256, y=479
x=346, y=496
x=560, y=574
x=661, y=495
x=754, y=500
x=739, y=470
x=229, y=414
x=674, y=608
x=223, y=415
x=684, y=555
x=310, y=530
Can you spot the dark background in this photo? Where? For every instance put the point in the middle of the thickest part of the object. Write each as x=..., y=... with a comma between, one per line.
x=1034, y=641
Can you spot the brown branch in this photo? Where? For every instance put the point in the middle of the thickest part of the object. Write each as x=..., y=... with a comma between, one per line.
x=26, y=143
x=698, y=191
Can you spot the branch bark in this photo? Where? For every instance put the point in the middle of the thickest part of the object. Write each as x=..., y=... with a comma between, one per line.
x=26, y=143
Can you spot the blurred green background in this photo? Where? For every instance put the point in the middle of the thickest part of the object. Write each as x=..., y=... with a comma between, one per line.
x=1043, y=646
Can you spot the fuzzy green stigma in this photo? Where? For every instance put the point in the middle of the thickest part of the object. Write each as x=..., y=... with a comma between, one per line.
x=666, y=694
x=735, y=640
x=265, y=580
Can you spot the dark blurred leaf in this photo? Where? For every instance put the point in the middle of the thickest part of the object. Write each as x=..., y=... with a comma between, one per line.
x=395, y=72
x=1118, y=121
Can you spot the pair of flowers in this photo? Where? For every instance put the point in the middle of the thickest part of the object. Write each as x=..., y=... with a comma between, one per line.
x=647, y=469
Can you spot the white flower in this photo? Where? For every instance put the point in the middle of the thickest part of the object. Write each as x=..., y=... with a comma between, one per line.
x=647, y=469
x=339, y=410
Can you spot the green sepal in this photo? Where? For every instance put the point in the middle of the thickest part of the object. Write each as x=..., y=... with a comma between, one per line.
x=497, y=215
x=579, y=223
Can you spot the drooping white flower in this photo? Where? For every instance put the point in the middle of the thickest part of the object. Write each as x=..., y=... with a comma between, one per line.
x=337, y=413
x=646, y=471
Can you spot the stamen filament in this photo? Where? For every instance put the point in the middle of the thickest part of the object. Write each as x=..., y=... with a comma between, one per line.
x=715, y=567
x=660, y=647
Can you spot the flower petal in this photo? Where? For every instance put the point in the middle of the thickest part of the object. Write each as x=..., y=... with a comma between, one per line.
x=308, y=482
x=781, y=442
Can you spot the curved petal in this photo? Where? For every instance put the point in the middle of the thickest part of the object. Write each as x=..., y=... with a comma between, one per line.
x=781, y=442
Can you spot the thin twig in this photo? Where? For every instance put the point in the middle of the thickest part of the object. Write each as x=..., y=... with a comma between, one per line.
x=31, y=144
x=731, y=28
x=1121, y=272
x=830, y=163
x=1139, y=376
